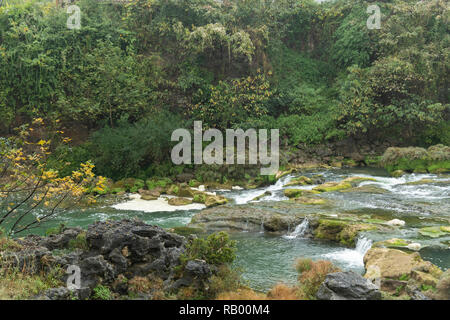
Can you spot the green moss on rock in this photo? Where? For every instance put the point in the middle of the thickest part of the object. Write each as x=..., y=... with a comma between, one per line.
x=333, y=186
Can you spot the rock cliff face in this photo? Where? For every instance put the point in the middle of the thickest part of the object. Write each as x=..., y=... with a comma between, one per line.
x=110, y=251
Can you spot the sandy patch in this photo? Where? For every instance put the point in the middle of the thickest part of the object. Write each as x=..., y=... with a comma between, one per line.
x=159, y=205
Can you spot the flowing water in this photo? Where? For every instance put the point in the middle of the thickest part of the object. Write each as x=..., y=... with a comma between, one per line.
x=267, y=259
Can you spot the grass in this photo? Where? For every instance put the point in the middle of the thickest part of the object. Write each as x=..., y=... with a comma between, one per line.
x=16, y=285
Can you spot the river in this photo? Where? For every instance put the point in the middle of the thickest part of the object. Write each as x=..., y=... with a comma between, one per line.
x=267, y=259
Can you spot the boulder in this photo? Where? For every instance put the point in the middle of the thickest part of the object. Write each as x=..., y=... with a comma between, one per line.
x=342, y=231
x=186, y=192
x=179, y=201
x=396, y=223
x=212, y=201
x=347, y=286
x=397, y=264
x=299, y=181
x=293, y=193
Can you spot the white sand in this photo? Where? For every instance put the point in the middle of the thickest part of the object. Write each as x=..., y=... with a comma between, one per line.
x=159, y=205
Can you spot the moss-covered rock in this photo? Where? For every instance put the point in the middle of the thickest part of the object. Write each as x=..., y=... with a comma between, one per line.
x=293, y=193
x=186, y=192
x=366, y=189
x=148, y=197
x=392, y=243
x=199, y=197
x=344, y=232
x=397, y=173
x=435, y=232
x=356, y=180
x=212, y=201
x=299, y=181
x=179, y=201
x=333, y=186
x=173, y=190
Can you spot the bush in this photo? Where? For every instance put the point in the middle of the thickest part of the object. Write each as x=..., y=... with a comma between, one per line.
x=217, y=249
x=226, y=279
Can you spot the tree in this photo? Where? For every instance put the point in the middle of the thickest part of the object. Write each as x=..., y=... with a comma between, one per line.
x=30, y=192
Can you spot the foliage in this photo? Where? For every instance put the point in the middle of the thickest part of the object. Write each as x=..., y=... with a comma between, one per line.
x=124, y=150
x=233, y=101
x=101, y=292
x=313, y=70
x=27, y=184
x=216, y=249
x=311, y=276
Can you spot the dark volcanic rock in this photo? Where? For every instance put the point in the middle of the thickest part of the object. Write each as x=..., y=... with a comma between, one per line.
x=347, y=286
x=114, y=251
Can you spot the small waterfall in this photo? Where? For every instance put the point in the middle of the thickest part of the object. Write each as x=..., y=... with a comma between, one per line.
x=261, y=230
x=351, y=257
x=246, y=196
x=299, y=230
x=363, y=245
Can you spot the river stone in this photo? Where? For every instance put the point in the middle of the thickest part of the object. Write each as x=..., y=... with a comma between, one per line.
x=333, y=186
x=212, y=201
x=396, y=223
x=179, y=201
x=347, y=286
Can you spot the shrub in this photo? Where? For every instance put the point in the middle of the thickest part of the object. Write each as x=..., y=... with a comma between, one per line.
x=216, y=249
x=283, y=292
x=226, y=279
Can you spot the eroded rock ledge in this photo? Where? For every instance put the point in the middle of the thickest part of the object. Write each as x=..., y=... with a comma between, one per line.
x=109, y=253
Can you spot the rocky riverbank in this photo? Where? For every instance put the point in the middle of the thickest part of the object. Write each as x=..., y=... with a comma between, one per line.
x=126, y=258
x=129, y=259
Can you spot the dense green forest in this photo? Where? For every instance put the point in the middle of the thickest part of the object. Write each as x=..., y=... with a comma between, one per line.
x=137, y=70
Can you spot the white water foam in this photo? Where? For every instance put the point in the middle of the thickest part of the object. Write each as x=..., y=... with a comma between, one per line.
x=159, y=205
x=299, y=230
x=247, y=196
x=351, y=257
